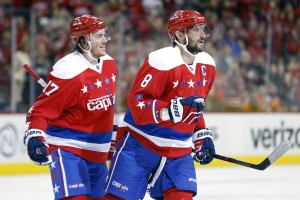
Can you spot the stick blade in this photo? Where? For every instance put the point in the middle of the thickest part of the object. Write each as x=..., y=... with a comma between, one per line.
x=281, y=149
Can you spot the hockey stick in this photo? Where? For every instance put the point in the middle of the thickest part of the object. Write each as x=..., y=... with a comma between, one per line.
x=281, y=149
x=35, y=75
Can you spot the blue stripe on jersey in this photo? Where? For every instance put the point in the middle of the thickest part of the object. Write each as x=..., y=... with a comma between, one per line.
x=98, y=138
x=155, y=130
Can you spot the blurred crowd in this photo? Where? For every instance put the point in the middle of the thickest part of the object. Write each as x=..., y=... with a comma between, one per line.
x=255, y=43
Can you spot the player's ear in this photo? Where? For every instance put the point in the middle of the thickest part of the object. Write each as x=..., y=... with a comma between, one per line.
x=180, y=36
x=82, y=41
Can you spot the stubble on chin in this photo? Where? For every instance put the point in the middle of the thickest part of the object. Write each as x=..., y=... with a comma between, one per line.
x=195, y=49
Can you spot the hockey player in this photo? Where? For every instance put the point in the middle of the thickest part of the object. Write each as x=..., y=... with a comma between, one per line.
x=71, y=122
x=165, y=120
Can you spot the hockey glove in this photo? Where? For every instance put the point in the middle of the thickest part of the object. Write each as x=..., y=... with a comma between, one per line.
x=186, y=110
x=37, y=148
x=204, y=146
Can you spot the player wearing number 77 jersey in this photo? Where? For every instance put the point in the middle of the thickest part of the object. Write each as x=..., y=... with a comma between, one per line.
x=165, y=117
x=70, y=124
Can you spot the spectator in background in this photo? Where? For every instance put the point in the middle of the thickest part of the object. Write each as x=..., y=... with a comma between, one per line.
x=294, y=78
x=4, y=87
x=232, y=41
x=142, y=22
x=21, y=57
x=4, y=20
x=234, y=86
x=5, y=67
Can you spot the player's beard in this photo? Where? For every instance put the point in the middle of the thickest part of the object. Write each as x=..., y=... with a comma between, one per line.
x=194, y=49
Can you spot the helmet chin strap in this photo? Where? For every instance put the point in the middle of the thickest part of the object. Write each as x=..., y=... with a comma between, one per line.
x=88, y=52
x=184, y=45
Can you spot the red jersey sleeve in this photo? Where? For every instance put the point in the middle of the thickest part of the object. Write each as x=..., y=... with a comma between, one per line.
x=58, y=95
x=149, y=86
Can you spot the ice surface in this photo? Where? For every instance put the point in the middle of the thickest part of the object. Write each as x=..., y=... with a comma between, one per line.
x=278, y=182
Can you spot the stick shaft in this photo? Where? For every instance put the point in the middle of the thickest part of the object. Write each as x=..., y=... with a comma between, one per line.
x=242, y=163
x=34, y=75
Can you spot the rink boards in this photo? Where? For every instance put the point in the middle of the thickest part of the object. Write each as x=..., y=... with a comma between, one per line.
x=250, y=137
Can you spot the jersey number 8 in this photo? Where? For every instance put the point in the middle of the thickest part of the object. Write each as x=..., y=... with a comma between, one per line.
x=146, y=80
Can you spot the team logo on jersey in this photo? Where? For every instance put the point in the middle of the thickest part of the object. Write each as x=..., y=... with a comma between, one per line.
x=192, y=180
x=101, y=102
x=120, y=185
x=76, y=185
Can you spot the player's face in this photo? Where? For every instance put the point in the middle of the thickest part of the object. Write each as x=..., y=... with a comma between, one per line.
x=196, y=36
x=98, y=42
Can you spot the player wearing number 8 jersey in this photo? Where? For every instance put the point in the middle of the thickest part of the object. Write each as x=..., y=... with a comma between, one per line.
x=70, y=124
x=165, y=117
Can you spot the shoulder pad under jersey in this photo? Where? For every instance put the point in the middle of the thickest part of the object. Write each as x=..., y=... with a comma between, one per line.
x=165, y=58
x=71, y=65
x=106, y=57
x=205, y=58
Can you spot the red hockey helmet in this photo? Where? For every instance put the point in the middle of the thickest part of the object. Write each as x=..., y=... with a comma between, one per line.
x=182, y=20
x=85, y=25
